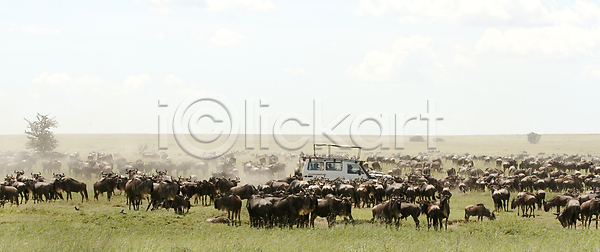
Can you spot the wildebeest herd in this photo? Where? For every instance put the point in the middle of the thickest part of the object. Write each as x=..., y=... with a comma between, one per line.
x=289, y=201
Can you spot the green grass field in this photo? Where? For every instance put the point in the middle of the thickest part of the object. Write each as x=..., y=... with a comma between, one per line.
x=98, y=226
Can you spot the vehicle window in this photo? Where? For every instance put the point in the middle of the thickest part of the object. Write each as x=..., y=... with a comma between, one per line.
x=315, y=166
x=334, y=166
x=353, y=168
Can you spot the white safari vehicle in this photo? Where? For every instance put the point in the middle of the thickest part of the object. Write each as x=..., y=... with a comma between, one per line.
x=331, y=167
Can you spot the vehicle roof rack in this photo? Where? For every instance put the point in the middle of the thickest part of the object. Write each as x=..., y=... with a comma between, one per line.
x=334, y=145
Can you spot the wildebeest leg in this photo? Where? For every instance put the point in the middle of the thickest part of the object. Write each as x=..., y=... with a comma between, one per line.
x=416, y=219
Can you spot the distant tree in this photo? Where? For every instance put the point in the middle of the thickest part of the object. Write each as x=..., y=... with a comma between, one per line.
x=40, y=137
x=533, y=138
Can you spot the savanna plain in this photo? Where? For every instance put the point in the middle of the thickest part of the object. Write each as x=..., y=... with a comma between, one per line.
x=99, y=225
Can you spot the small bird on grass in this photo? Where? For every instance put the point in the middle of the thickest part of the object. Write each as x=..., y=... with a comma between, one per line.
x=123, y=211
x=76, y=208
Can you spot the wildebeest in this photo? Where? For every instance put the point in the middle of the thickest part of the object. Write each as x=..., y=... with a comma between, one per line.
x=232, y=204
x=557, y=201
x=569, y=216
x=478, y=210
x=388, y=211
x=527, y=203
x=107, y=184
x=500, y=198
x=289, y=208
x=245, y=192
x=71, y=185
x=179, y=203
x=589, y=209
x=9, y=193
x=330, y=208
x=136, y=189
x=259, y=211
x=436, y=212
x=410, y=209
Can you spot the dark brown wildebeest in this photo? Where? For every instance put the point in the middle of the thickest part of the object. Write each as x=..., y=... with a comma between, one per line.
x=330, y=208
x=500, y=198
x=540, y=196
x=526, y=202
x=436, y=212
x=569, y=216
x=557, y=201
x=161, y=191
x=388, y=211
x=245, y=192
x=410, y=209
x=224, y=185
x=478, y=210
x=232, y=204
x=71, y=185
x=9, y=193
x=589, y=209
x=136, y=189
x=208, y=192
x=106, y=184
x=179, y=204
x=289, y=208
x=259, y=210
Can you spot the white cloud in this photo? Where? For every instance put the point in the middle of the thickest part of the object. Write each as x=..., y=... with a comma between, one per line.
x=135, y=82
x=53, y=80
x=553, y=41
x=379, y=65
x=259, y=5
x=33, y=29
x=227, y=38
x=477, y=12
x=376, y=66
x=462, y=61
x=591, y=71
x=90, y=84
x=172, y=81
x=294, y=70
x=180, y=88
x=160, y=10
x=162, y=6
x=158, y=36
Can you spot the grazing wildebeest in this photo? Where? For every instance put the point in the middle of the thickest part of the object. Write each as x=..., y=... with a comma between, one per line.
x=569, y=216
x=478, y=210
x=232, y=204
x=557, y=201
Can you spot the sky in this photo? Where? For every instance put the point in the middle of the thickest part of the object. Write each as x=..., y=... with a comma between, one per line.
x=492, y=67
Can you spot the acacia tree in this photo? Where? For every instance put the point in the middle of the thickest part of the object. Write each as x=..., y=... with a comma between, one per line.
x=533, y=138
x=38, y=132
